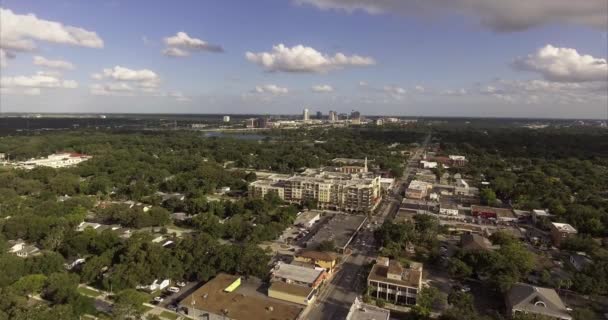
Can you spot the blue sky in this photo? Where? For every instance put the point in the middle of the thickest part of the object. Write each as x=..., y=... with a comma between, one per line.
x=415, y=59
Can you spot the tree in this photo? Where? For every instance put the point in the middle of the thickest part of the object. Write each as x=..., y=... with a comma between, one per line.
x=458, y=269
x=461, y=307
x=32, y=283
x=129, y=304
x=426, y=299
x=487, y=196
x=327, y=245
x=61, y=287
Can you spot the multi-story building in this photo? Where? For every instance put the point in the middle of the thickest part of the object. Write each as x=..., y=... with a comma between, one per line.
x=56, y=160
x=305, y=115
x=355, y=117
x=390, y=281
x=418, y=189
x=226, y=119
x=560, y=232
x=333, y=116
x=335, y=190
x=325, y=260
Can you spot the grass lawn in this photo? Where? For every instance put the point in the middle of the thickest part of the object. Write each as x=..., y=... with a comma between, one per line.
x=88, y=292
x=146, y=308
x=169, y=315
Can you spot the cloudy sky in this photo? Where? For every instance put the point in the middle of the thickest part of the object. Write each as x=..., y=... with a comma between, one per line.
x=533, y=58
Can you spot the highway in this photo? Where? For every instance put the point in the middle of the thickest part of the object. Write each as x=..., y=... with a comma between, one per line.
x=349, y=281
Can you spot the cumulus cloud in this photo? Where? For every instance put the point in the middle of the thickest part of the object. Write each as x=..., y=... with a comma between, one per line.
x=394, y=90
x=39, y=80
x=322, y=88
x=19, y=31
x=536, y=91
x=270, y=89
x=564, y=65
x=57, y=64
x=111, y=89
x=501, y=16
x=181, y=45
x=175, y=52
x=304, y=59
x=143, y=78
x=454, y=92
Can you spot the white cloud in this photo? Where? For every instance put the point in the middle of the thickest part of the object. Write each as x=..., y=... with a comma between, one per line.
x=143, y=78
x=109, y=89
x=537, y=91
x=57, y=64
x=18, y=32
x=324, y=88
x=181, y=44
x=304, y=59
x=498, y=15
x=394, y=90
x=175, y=52
x=39, y=80
x=271, y=89
x=564, y=65
x=455, y=92
x=179, y=96
x=420, y=89
x=363, y=83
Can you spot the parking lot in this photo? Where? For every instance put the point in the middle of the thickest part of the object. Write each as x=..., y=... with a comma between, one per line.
x=171, y=299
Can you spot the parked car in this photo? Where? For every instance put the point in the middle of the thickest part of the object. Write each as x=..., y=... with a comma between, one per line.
x=181, y=284
x=159, y=299
x=173, y=289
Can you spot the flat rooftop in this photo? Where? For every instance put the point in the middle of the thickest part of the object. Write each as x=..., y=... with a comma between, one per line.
x=296, y=273
x=293, y=289
x=340, y=229
x=410, y=276
x=361, y=311
x=306, y=216
x=499, y=212
x=564, y=227
x=238, y=304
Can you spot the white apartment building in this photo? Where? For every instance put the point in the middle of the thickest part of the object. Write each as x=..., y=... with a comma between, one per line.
x=352, y=192
x=56, y=160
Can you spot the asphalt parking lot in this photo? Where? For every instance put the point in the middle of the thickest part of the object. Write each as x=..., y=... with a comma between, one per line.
x=170, y=298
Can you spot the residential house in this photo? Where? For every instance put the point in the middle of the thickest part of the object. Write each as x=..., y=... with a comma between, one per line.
x=529, y=299
x=580, y=261
x=561, y=232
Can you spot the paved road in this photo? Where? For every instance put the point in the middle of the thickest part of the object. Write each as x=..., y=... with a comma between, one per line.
x=349, y=281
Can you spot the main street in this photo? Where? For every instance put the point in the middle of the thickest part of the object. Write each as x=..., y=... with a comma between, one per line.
x=348, y=282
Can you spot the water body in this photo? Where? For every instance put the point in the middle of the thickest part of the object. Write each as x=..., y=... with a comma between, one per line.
x=239, y=136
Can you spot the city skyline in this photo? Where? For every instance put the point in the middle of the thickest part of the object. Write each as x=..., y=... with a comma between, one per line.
x=279, y=57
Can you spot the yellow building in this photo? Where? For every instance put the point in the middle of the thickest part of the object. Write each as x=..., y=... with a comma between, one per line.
x=299, y=294
x=325, y=260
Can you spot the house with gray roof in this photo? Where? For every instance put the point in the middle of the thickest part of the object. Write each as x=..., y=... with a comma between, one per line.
x=529, y=299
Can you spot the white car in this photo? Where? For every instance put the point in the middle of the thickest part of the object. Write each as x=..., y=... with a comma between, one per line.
x=173, y=289
x=158, y=299
x=181, y=284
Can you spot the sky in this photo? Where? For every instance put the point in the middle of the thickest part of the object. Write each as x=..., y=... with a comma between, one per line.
x=480, y=58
